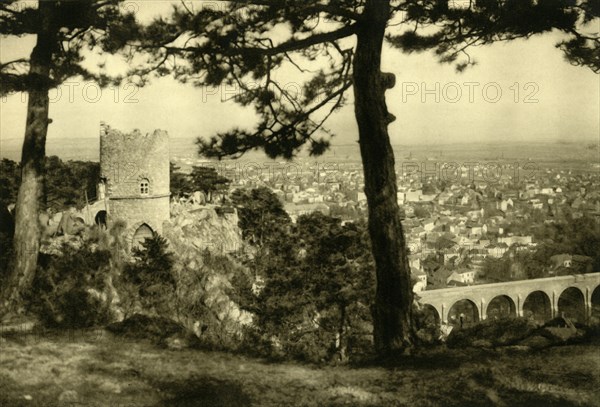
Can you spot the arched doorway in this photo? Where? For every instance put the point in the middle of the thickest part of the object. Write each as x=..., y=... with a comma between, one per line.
x=571, y=304
x=595, y=303
x=501, y=306
x=537, y=307
x=100, y=219
x=463, y=313
x=141, y=234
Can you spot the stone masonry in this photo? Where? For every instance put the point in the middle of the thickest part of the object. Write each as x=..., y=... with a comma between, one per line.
x=135, y=172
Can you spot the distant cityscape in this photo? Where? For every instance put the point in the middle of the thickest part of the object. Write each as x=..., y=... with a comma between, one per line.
x=463, y=205
x=455, y=217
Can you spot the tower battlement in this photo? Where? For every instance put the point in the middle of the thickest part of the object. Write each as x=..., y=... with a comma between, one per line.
x=133, y=139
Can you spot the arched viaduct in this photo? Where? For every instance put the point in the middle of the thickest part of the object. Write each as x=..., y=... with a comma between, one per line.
x=556, y=294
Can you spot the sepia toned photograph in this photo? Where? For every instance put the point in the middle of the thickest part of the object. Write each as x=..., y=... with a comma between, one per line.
x=299, y=203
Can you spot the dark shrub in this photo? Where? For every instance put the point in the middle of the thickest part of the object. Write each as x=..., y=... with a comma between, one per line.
x=426, y=326
x=69, y=290
x=140, y=326
x=149, y=278
x=592, y=333
x=6, y=250
x=501, y=332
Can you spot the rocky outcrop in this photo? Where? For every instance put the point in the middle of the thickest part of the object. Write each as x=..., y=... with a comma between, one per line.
x=201, y=239
x=204, y=228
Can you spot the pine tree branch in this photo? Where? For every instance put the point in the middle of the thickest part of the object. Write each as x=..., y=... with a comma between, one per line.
x=288, y=46
x=306, y=8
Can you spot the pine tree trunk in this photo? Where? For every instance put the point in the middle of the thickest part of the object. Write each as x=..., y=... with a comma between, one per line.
x=27, y=228
x=392, y=311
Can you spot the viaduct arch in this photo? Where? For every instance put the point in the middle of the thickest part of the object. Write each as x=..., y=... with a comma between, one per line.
x=577, y=296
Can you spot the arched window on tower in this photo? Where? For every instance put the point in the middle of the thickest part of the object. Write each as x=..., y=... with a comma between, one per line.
x=144, y=186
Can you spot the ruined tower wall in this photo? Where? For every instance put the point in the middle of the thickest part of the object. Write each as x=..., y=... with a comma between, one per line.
x=136, y=171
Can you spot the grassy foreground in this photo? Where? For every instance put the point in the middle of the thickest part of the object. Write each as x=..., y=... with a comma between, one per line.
x=95, y=368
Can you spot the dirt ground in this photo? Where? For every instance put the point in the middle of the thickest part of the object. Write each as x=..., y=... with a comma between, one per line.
x=95, y=368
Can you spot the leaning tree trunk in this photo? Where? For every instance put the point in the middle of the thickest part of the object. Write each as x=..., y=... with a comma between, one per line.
x=392, y=311
x=27, y=228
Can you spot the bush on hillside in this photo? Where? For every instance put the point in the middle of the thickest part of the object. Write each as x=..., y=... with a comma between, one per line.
x=147, y=281
x=492, y=333
x=155, y=329
x=310, y=291
x=206, y=300
x=181, y=283
x=70, y=290
x=426, y=326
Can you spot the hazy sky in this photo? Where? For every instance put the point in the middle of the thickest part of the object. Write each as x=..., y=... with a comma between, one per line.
x=564, y=100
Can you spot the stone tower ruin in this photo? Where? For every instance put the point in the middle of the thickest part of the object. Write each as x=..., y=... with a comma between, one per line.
x=134, y=183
